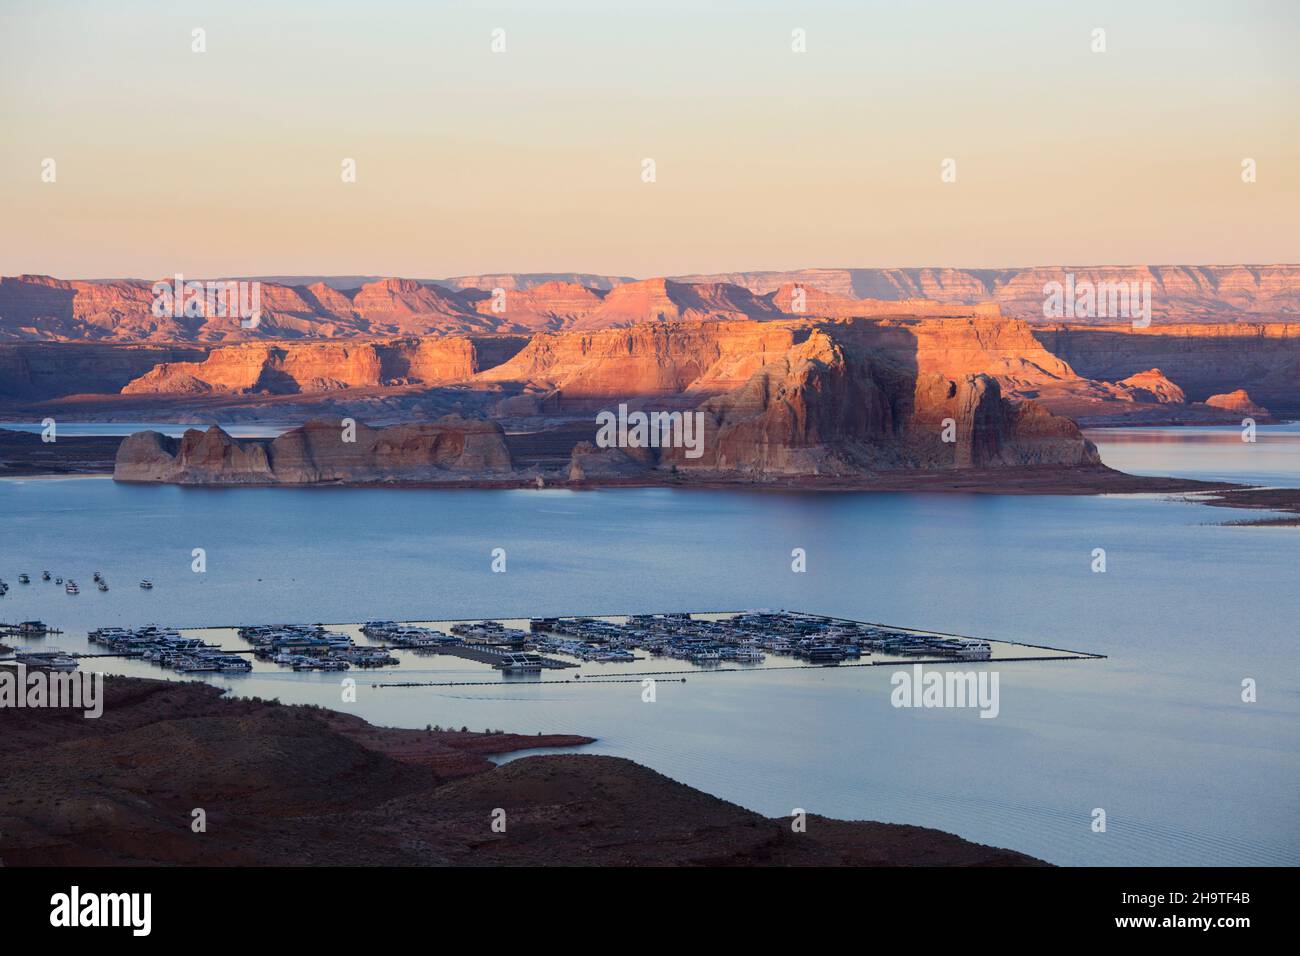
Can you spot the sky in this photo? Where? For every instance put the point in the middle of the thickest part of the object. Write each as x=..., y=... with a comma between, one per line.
x=230, y=161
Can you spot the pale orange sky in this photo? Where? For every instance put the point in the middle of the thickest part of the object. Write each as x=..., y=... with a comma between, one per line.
x=228, y=161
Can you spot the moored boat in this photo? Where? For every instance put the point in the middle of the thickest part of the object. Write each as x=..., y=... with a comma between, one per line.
x=46, y=660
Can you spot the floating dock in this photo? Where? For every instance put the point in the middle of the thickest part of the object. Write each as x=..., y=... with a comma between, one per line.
x=669, y=645
x=619, y=647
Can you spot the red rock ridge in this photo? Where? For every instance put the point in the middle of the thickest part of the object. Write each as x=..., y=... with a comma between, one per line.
x=649, y=359
x=310, y=367
x=451, y=448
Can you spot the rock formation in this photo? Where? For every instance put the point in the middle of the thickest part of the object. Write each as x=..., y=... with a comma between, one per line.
x=45, y=370
x=448, y=449
x=1239, y=403
x=806, y=372
x=825, y=408
x=550, y=305
x=308, y=367
x=1178, y=293
x=41, y=307
x=589, y=463
x=662, y=300
x=653, y=359
x=1204, y=359
x=1150, y=386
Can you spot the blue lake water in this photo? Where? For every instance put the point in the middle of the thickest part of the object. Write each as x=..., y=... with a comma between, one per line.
x=1214, y=453
x=1156, y=734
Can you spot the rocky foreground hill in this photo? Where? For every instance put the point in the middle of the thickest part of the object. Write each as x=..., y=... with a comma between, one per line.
x=293, y=786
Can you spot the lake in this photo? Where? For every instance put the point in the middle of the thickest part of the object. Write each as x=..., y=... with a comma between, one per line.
x=1156, y=734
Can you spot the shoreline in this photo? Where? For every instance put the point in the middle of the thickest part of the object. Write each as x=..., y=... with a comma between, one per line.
x=1047, y=480
x=92, y=457
x=1257, y=499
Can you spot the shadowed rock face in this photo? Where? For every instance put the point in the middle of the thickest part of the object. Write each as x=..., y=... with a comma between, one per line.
x=828, y=408
x=444, y=450
x=1203, y=359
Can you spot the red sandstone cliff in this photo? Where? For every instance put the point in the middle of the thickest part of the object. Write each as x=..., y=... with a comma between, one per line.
x=828, y=408
x=448, y=449
x=308, y=367
x=649, y=359
x=41, y=307
x=1178, y=292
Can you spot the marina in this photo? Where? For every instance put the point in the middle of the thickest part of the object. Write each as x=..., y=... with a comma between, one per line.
x=665, y=644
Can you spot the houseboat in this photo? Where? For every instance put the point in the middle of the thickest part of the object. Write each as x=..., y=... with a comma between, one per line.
x=45, y=660
x=519, y=664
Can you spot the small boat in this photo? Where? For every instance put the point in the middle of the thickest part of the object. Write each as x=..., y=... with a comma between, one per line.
x=146, y=584
x=97, y=576
x=103, y=585
x=58, y=580
x=45, y=575
x=72, y=588
x=24, y=579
